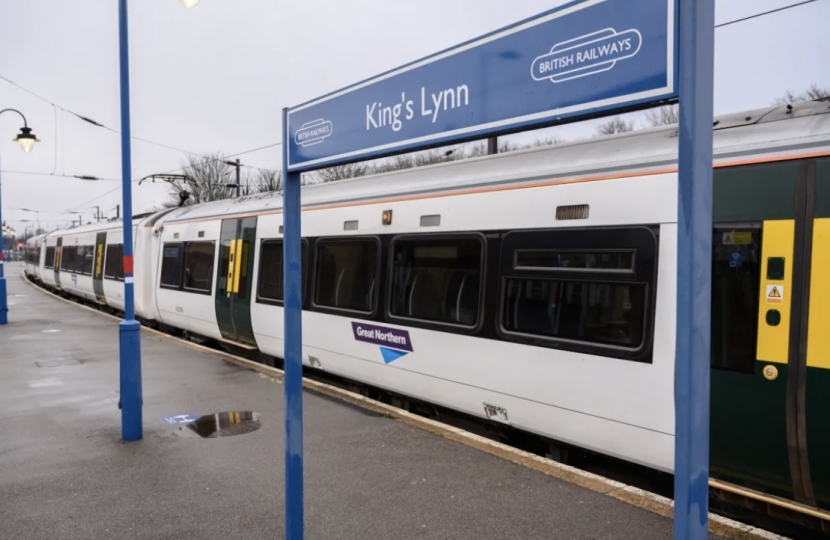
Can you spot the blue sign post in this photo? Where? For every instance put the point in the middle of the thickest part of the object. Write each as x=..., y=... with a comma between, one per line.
x=694, y=271
x=585, y=59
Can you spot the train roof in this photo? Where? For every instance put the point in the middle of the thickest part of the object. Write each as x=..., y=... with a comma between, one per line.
x=88, y=228
x=787, y=129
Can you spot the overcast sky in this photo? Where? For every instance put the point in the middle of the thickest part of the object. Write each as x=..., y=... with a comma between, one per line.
x=216, y=77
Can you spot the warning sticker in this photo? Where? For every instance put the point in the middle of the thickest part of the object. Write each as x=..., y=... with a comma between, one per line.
x=775, y=294
x=737, y=238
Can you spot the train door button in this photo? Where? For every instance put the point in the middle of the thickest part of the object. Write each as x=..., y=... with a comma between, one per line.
x=770, y=373
x=773, y=317
x=775, y=268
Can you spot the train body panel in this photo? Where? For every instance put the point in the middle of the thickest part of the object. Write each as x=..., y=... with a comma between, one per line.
x=188, y=306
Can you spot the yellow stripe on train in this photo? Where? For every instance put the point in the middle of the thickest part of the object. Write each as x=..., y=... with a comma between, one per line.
x=776, y=294
x=818, y=327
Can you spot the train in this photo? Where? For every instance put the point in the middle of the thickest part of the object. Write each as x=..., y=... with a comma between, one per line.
x=534, y=289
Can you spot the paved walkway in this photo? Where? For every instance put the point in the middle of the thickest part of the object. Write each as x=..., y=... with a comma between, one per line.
x=65, y=474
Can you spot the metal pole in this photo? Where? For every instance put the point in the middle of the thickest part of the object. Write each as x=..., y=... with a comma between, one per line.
x=129, y=329
x=4, y=306
x=237, y=179
x=492, y=145
x=694, y=270
x=292, y=254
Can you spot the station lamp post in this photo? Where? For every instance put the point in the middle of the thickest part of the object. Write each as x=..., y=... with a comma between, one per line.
x=27, y=141
x=129, y=330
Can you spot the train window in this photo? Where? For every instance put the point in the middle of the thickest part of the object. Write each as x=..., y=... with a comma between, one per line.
x=602, y=313
x=346, y=273
x=198, y=266
x=271, y=270
x=585, y=290
x=49, y=262
x=171, y=266
x=736, y=281
x=436, y=279
x=85, y=259
x=608, y=261
x=114, y=262
x=68, y=258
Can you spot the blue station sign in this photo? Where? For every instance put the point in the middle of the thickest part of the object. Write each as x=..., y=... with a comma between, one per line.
x=584, y=58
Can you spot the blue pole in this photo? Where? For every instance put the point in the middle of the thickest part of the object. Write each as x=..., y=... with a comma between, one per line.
x=293, y=306
x=4, y=306
x=694, y=270
x=129, y=331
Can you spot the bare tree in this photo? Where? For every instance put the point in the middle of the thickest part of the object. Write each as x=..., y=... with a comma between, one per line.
x=663, y=116
x=615, y=125
x=814, y=92
x=340, y=172
x=547, y=141
x=206, y=179
x=265, y=181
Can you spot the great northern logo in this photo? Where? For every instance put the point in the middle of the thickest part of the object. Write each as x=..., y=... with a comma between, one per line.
x=313, y=132
x=586, y=55
x=393, y=343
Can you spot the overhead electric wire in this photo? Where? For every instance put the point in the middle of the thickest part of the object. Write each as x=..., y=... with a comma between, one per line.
x=223, y=158
x=86, y=177
x=117, y=132
x=776, y=10
x=94, y=122
x=83, y=205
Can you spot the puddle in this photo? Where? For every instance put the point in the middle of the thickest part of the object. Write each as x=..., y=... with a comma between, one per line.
x=58, y=362
x=51, y=331
x=224, y=424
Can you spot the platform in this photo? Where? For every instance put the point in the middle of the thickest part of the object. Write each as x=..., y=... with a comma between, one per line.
x=67, y=475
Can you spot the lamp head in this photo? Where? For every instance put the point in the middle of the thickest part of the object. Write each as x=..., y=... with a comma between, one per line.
x=189, y=3
x=26, y=139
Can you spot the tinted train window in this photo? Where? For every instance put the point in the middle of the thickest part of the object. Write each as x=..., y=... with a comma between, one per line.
x=198, y=267
x=85, y=260
x=604, y=313
x=49, y=262
x=271, y=271
x=736, y=281
x=171, y=266
x=346, y=274
x=114, y=264
x=68, y=258
x=435, y=279
x=585, y=290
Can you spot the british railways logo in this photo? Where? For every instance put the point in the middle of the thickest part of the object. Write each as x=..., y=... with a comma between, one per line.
x=313, y=132
x=586, y=55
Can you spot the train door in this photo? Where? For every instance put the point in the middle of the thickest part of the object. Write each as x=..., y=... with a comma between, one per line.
x=234, y=279
x=58, y=262
x=762, y=254
x=98, y=270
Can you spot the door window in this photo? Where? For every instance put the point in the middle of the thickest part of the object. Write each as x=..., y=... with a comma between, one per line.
x=736, y=275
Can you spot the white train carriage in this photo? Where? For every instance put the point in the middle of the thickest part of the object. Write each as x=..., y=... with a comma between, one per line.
x=535, y=288
x=87, y=262
x=33, y=256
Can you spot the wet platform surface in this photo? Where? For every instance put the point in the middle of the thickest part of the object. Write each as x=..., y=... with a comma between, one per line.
x=65, y=474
